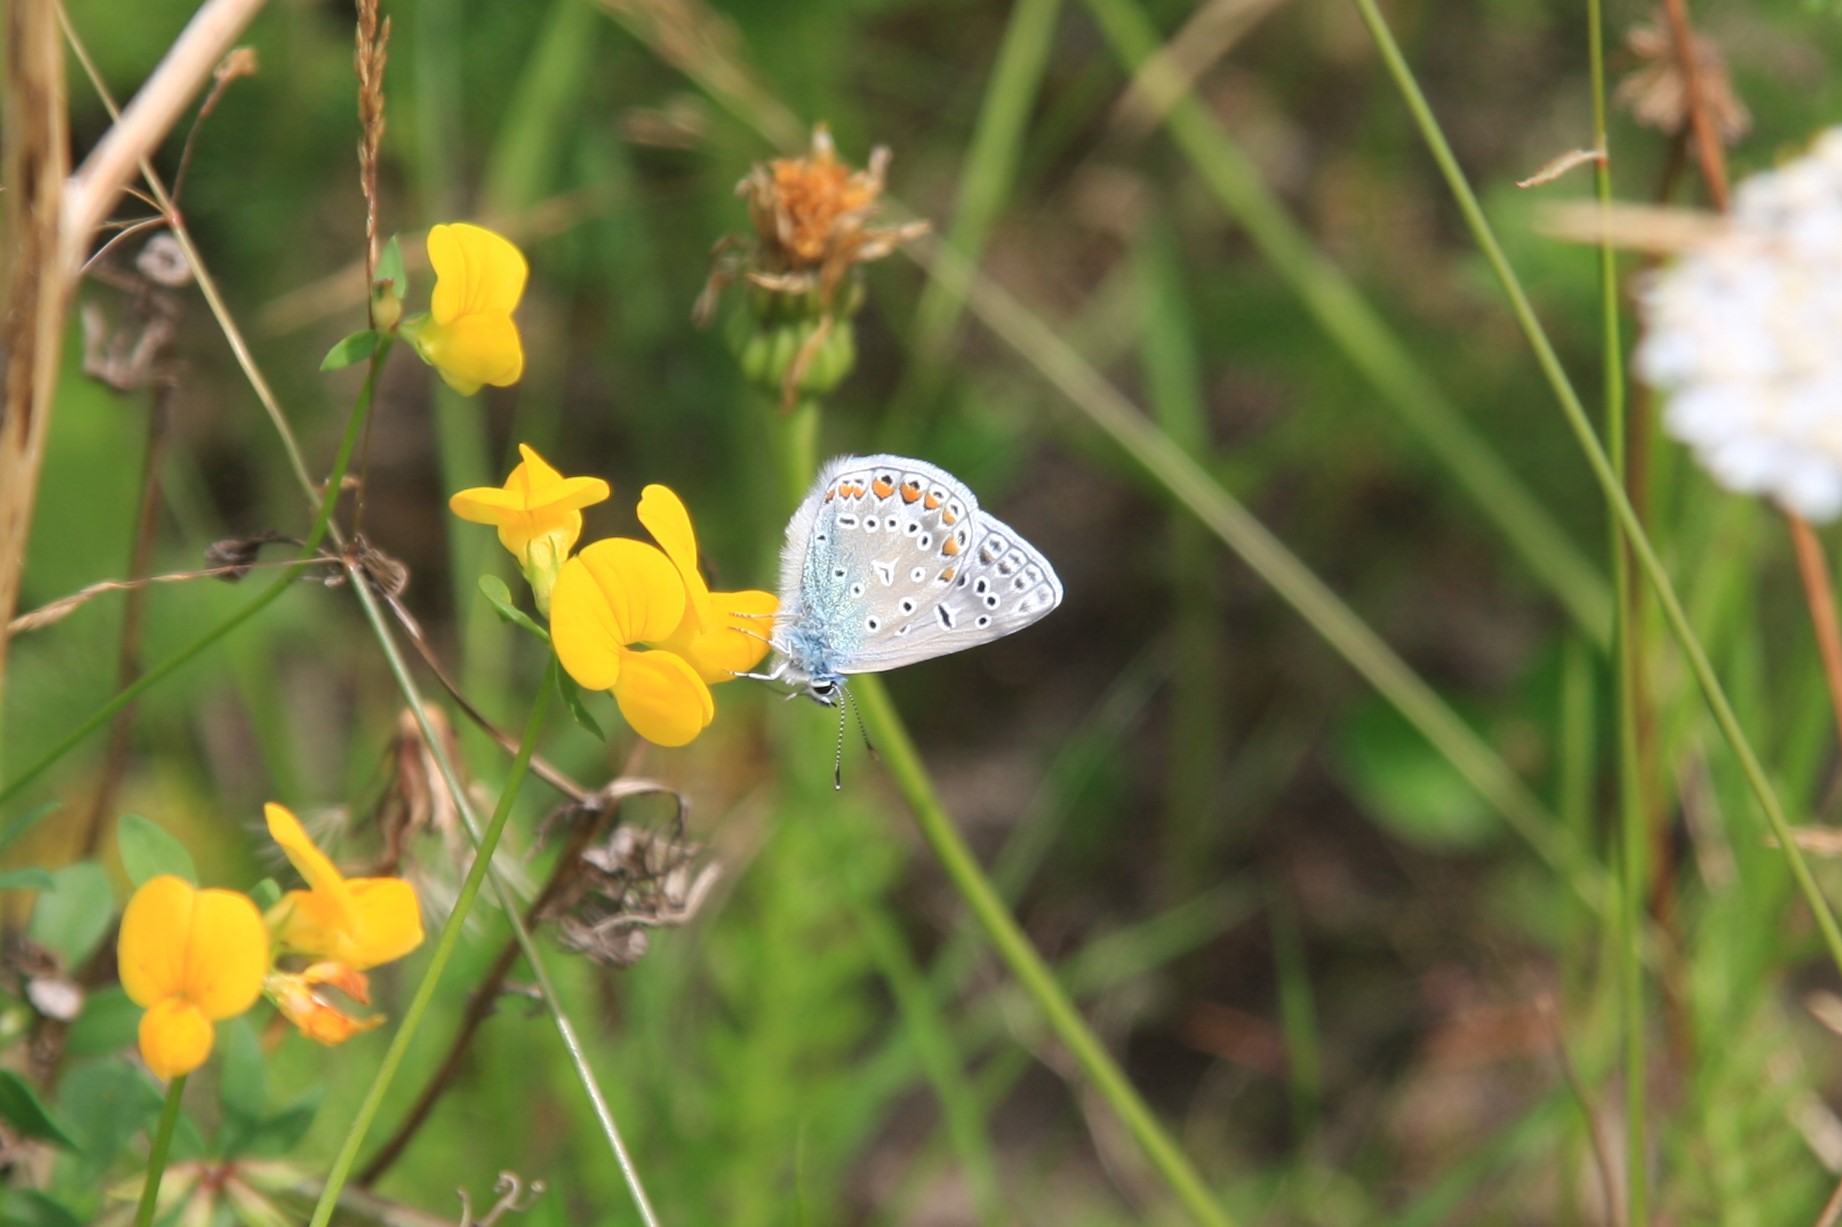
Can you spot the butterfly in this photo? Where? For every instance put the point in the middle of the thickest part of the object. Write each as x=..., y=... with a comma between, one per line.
x=889, y=561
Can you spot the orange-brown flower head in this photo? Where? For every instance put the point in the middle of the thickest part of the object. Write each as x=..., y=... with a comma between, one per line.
x=812, y=229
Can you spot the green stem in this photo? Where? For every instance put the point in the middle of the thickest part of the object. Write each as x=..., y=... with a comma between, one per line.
x=796, y=439
x=1607, y=477
x=911, y=779
x=444, y=950
x=322, y=524
x=156, y=1159
x=1634, y=837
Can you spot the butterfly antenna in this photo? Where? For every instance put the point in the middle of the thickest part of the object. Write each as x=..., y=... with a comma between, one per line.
x=837, y=764
x=865, y=734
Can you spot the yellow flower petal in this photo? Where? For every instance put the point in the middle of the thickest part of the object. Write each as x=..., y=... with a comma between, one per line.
x=151, y=951
x=226, y=953
x=481, y=348
x=475, y=271
x=390, y=922
x=663, y=514
x=176, y=1037
x=333, y=906
x=613, y=593
x=663, y=698
x=739, y=637
x=546, y=489
x=362, y=922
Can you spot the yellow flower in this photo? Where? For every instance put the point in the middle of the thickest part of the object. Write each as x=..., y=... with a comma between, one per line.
x=539, y=515
x=190, y=958
x=359, y=922
x=614, y=594
x=469, y=336
x=722, y=633
x=302, y=1000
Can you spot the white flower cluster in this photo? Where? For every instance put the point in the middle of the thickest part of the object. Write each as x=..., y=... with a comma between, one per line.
x=1744, y=332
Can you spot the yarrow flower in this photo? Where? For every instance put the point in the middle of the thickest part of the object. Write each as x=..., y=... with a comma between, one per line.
x=640, y=622
x=539, y=516
x=191, y=958
x=1744, y=332
x=468, y=335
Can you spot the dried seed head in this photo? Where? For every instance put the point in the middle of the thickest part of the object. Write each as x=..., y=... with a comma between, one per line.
x=1656, y=92
x=639, y=879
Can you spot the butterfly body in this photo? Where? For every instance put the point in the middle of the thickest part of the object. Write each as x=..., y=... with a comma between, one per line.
x=889, y=561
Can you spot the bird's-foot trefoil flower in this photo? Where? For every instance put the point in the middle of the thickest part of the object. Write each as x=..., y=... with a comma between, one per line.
x=302, y=998
x=539, y=516
x=191, y=958
x=360, y=922
x=468, y=335
x=612, y=597
x=722, y=633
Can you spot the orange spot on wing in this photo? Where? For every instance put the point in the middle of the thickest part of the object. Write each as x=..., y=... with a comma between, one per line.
x=831, y=494
x=950, y=572
x=883, y=489
x=910, y=492
x=933, y=501
x=950, y=548
x=947, y=517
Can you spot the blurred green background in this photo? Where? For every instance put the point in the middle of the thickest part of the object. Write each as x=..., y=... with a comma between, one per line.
x=1316, y=950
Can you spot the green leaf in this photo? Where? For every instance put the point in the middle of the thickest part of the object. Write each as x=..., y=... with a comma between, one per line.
x=107, y=1024
x=243, y=1084
x=25, y=879
x=266, y=894
x=71, y=918
x=355, y=348
x=25, y=822
x=501, y=599
x=30, y=1208
x=148, y=851
x=107, y=1103
x=282, y=1131
x=390, y=269
x=578, y=711
x=21, y=1108
x=1408, y=788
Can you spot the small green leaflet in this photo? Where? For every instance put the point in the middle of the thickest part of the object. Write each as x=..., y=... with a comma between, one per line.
x=21, y=1108
x=149, y=851
x=501, y=598
x=355, y=348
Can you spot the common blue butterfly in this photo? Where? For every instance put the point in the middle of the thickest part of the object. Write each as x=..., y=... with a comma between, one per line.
x=889, y=561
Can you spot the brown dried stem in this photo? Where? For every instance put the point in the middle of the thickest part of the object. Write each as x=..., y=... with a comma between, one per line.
x=370, y=57
x=34, y=161
x=1708, y=147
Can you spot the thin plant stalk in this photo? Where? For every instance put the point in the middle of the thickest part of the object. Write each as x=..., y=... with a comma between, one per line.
x=1820, y=595
x=322, y=526
x=162, y=1146
x=1627, y=649
x=508, y=903
x=1185, y=481
x=1607, y=477
x=445, y=946
x=1357, y=329
x=799, y=459
x=911, y=779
